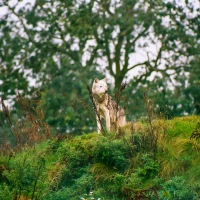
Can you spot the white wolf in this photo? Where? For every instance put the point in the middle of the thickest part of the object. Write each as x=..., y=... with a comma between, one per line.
x=106, y=107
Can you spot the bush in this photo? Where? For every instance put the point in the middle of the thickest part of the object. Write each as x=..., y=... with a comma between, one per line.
x=177, y=188
x=5, y=192
x=112, y=153
x=25, y=176
x=78, y=189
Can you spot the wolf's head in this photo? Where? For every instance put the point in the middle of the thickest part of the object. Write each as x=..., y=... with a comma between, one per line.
x=99, y=87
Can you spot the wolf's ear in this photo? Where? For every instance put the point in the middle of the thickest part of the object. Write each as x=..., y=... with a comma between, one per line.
x=96, y=80
x=104, y=79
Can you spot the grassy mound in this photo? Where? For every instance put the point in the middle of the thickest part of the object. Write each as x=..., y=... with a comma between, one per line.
x=155, y=161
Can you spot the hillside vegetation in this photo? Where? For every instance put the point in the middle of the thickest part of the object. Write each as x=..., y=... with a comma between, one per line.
x=146, y=160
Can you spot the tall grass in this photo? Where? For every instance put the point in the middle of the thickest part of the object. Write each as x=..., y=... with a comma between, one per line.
x=26, y=125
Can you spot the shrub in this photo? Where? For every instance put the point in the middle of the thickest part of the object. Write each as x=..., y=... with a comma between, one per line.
x=112, y=153
x=78, y=189
x=5, y=192
x=177, y=188
x=25, y=176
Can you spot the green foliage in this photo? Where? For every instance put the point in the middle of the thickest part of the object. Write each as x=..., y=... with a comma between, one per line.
x=96, y=166
x=178, y=188
x=26, y=176
x=150, y=167
x=70, y=98
x=78, y=189
x=192, y=91
x=174, y=101
x=63, y=45
x=5, y=192
x=112, y=153
x=182, y=126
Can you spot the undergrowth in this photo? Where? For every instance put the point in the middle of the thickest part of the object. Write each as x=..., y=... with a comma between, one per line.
x=152, y=158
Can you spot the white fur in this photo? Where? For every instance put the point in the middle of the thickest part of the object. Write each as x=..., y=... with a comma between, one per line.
x=106, y=107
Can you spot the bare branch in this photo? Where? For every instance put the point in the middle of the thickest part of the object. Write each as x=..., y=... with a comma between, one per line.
x=139, y=64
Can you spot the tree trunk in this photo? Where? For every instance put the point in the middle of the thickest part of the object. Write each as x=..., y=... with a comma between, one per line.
x=118, y=80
